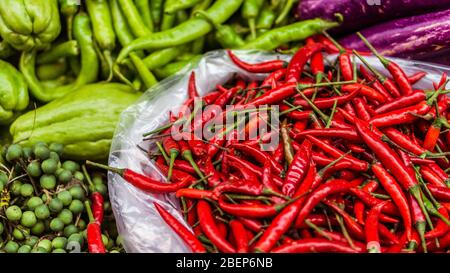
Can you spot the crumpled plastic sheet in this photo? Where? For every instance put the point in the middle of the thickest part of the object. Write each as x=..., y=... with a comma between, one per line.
x=138, y=222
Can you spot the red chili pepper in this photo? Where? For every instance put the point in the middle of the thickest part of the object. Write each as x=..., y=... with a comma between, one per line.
x=418, y=218
x=173, y=150
x=358, y=164
x=431, y=177
x=298, y=61
x=240, y=236
x=371, y=229
x=192, y=86
x=432, y=135
x=251, y=224
x=94, y=233
x=324, y=103
x=194, y=193
x=177, y=175
x=314, y=245
x=364, y=91
x=297, y=169
x=264, y=67
x=359, y=207
x=210, y=228
x=275, y=95
x=259, y=156
x=97, y=207
x=354, y=228
x=389, y=159
x=402, y=102
x=399, y=198
x=416, y=77
x=441, y=227
x=403, y=141
x=440, y=193
x=371, y=201
x=187, y=155
x=194, y=244
x=394, y=69
x=331, y=187
x=376, y=84
x=143, y=182
x=251, y=210
x=317, y=64
x=361, y=109
x=211, y=97
x=274, y=77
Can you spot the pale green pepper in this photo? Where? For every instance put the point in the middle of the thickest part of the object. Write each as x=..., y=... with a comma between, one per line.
x=13, y=92
x=28, y=25
x=83, y=121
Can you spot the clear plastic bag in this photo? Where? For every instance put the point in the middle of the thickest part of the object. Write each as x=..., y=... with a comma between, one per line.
x=137, y=220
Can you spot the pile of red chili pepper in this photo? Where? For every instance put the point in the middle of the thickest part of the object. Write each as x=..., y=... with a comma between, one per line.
x=361, y=166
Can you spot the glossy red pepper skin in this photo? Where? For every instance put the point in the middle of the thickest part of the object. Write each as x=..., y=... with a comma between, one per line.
x=97, y=207
x=345, y=64
x=331, y=187
x=259, y=156
x=376, y=84
x=323, y=103
x=413, y=79
x=249, y=210
x=400, y=78
x=299, y=60
x=359, y=207
x=194, y=244
x=431, y=177
x=194, y=193
x=192, y=86
x=265, y=67
x=371, y=229
x=94, y=238
x=240, y=236
x=353, y=227
x=347, y=134
x=365, y=90
x=361, y=109
x=273, y=78
x=298, y=169
x=387, y=156
x=402, y=102
x=393, y=189
x=314, y=245
x=400, y=116
x=210, y=228
x=440, y=193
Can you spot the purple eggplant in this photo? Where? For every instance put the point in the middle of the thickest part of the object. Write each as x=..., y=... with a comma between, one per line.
x=362, y=13
x=418, y=37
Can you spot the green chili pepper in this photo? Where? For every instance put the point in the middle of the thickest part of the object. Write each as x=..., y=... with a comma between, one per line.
x=162, y=57
x=121, y=26
x=225, y=34
x=146, y=76
x=146, y=15
x=89, y=64
x=173, y=6
x=265, y=19
x=28, y=25
x=285, y=11
x=103, y=29
x=69, y=8
x=293, y=32
x=13, y=93
x=173, y=68
x=250, y=11
x=186, y=32
x=168, y=19
x=156, y=8
x=63, y=50
x=202, y=5
x=199, y=44
x=137, y=26
x=6, y=50
x=51, y=71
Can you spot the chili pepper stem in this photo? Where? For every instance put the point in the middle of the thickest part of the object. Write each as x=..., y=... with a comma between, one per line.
x=88, y=178
x=383, y=60
x=163, y=152
x=106, y=167
x=415, y=191
x=314, y=107
x=316, y=228
x=173, y=156
x=89, y=211
x=420, y=227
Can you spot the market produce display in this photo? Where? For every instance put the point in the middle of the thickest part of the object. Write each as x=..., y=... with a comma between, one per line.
x=361, y=166
x=364, y=155
x=53, y=205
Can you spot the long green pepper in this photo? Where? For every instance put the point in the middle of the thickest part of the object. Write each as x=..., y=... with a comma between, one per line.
x=173, y=6
x=145, y=74
x=186, y=32
x=156, y=8
x=137, y=26
x=293, y=32
x=145, y=12
x=162, y=57
x=121, y=27
x=62, y=50
x=89, y=64
x=250, y=11
x=103, y=29
x=69, y=8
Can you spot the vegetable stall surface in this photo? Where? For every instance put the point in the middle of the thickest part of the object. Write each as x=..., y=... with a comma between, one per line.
x=352, y=172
